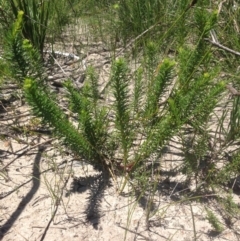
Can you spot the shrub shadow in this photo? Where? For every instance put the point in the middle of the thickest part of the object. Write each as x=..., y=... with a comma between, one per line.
x=96, y=185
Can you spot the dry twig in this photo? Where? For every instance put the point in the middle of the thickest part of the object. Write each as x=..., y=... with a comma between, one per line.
x=233, y=91
x=223, y=47
x=24, y=152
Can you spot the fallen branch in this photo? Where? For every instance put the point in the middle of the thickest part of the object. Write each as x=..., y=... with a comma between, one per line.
x=67, y=55
x=222, y=47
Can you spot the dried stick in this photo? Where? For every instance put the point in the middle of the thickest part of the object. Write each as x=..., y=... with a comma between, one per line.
x=135, y=39
x=9, y=87
x=59, y=65
x=13, y=117
x=24, y=152
x=223, y=47
x=220, y=6
x=233, y=91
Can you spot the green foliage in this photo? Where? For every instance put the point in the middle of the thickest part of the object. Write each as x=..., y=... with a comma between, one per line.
x=61, y=14
x=192, y=99
x=213, y=220
x=169, y=94
x=235, y=120
x=96, y=141
x=138, y=90
x=40, y=18
x=119, y=82
x=230, y=206
x=93, y=89
x=4, y=70
x=230, y=170
x=137, y=16
x=157, y=87
x=35, y=20
x=24, y=61
x=44, y=106
x=92, y=118
x=165, y=22
x=6, y=17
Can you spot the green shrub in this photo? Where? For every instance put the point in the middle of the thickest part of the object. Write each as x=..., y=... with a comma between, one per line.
x=35, y=20
x=213, y=220
x=135, y=118
x=168, y=95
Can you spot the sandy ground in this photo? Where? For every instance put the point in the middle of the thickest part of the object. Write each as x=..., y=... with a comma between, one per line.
x=46, y=195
